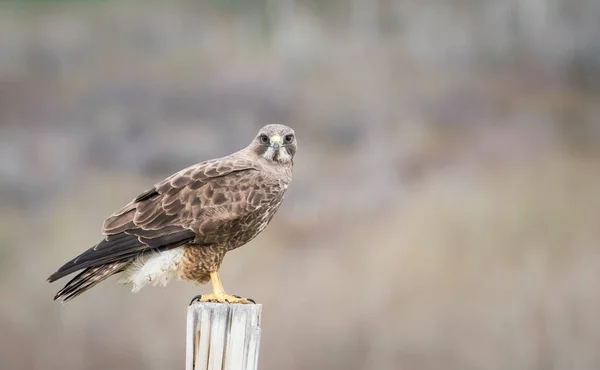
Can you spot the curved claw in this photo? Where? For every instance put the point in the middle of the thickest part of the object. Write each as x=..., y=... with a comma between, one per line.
x=196, y=299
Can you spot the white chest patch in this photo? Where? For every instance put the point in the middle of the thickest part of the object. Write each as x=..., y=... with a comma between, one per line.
x=157, y=268
x=282, y=156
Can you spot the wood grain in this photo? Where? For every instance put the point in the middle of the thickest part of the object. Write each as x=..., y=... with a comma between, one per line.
x=223, y=336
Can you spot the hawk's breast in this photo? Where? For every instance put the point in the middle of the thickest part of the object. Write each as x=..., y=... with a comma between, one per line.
x=256, y=222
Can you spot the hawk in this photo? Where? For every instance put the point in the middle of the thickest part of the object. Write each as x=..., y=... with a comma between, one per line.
x=183, y=226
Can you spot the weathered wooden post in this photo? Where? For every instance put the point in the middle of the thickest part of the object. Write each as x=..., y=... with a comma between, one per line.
x=223, y=336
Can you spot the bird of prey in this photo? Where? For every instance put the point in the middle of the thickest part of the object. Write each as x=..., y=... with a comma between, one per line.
x=183, y=226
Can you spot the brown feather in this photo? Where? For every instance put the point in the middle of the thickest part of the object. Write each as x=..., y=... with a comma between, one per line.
x=87, y=279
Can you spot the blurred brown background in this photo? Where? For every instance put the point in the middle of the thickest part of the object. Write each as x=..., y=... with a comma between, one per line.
x=446, y=198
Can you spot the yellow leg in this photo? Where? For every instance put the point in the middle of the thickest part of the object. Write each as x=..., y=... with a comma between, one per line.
x=219, y=294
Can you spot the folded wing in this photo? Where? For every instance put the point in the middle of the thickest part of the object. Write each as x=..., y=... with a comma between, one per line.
x=167, y=216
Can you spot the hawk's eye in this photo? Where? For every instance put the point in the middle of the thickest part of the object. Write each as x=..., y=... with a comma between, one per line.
x=289, y=138
x=264, y=139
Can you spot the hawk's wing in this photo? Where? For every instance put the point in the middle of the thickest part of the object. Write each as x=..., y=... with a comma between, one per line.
x=190, y=205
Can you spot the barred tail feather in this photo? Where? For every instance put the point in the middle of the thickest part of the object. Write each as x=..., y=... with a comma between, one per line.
x=89, y=278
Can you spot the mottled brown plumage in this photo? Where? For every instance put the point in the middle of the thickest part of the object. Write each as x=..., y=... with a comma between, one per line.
x=186, y=223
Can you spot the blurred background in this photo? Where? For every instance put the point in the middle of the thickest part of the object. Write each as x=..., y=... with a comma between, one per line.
x=445, y=206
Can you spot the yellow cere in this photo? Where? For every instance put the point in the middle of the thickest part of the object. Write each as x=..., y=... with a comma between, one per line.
x=276, y=138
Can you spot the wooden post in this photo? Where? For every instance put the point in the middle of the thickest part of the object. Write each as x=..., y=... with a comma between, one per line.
x=223, y=336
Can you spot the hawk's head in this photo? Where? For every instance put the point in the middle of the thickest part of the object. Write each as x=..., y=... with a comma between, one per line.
x=275, y=143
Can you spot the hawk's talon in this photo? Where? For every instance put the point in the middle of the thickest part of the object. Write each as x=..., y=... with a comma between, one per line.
x=197, y=298
x=222, y=297
x=248, y=299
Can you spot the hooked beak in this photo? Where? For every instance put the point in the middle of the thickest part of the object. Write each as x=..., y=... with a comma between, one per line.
x=276, y=142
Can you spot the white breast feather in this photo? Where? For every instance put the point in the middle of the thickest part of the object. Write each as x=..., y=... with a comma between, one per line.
x=157, y=268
